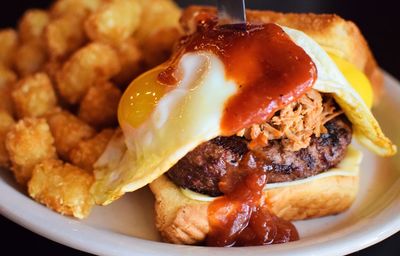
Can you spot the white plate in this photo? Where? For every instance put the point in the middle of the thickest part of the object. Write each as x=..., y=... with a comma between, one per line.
x=126, y=227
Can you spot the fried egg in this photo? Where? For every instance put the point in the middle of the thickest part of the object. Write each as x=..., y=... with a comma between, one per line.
x=161, y=125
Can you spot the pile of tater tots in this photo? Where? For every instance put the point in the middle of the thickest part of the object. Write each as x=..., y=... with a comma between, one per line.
x=62, y=73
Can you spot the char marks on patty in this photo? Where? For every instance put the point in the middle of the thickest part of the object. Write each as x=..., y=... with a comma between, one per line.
x=201, y=169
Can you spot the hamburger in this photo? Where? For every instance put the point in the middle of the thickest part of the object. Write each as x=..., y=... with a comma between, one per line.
x=247, y=128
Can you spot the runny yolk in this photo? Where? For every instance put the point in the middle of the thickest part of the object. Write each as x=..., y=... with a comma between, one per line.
x=140, y=98
x=356, y=78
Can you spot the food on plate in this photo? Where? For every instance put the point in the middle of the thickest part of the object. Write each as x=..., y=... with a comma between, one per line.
x=6, y=122
x=247, y=127
x=86, y=153
x=99, y=106
x=65, y=67
x=30, y=57
x=158, y=31
x=94, y=63
x=32, y=25
x=8, y=46
x=62, y=187
x=75, y=7
x=28, y=143
x=7, y=80
x=64, y=35
x=157, y=47
x=114, y=21
x=34, y=96
x=131, y=58
x=68, y=130
x=157, y=15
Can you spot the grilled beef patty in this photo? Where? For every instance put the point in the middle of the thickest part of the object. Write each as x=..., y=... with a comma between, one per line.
x=202, y=169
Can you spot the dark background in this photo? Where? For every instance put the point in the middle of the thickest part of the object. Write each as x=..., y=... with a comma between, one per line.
x=378, y=20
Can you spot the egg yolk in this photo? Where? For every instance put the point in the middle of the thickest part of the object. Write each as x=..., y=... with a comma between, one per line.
x=143, y=94
x=140, y=98
x=356, y=78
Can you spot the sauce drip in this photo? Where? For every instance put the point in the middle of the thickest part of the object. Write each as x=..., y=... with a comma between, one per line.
x=241, y=217
x=271, y=71
x=269, y=68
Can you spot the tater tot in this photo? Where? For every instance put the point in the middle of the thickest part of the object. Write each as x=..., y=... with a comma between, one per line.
x=51, y=68
x=157, y=47
x=94, y=63
x=30, y=57
x=6, y=122
x=64, y=35
x=34, y=96
x=63, y=188
x=7, y=80
x=68, y=131
x=32, y=24
x=8, y=46
x=86, y=153
x=28, y=143
x=130, y=57
x=66, y=7
x=114, y=21
x=157, y=14
x=7, y=76
x=99, y=106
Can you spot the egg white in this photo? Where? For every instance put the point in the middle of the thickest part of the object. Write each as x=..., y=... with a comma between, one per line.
x=331, y=80
x=191, y=114
x=185, y=117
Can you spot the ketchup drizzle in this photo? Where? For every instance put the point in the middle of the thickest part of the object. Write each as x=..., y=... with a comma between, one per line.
x=241, y=216
x=270, y=70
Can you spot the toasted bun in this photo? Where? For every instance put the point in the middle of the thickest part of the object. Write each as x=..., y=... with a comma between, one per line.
x=182, y=220
x=336, y=35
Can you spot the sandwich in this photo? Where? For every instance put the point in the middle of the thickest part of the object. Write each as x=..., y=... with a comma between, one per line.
x=247, y=128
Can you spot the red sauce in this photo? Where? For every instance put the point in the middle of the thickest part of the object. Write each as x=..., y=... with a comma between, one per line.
x=269, y=68
x=241, y=216
x=271, y=72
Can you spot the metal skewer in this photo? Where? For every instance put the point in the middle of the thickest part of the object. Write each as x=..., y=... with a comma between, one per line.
x=232, y=11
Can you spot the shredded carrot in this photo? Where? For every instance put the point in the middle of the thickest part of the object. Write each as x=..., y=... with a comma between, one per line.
x=296, y=123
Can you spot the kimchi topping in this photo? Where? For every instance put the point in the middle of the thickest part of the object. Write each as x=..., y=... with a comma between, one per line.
x=296, y=123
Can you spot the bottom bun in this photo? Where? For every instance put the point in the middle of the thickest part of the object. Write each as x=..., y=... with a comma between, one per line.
x=182, y=220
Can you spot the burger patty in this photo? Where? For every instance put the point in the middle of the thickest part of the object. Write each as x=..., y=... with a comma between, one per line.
x=202, y=169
